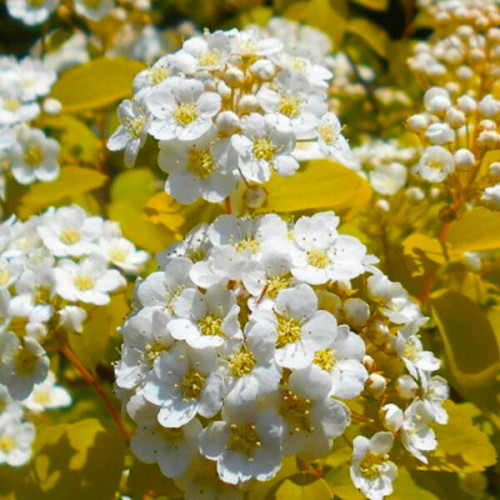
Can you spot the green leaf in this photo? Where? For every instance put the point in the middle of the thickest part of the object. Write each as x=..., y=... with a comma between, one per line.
x=470, y=346
x=375, y=37
x=129, y=194
x=147, y=481
x=340, y=482
x=322, y=185
x=95, y=84
x=91, y=344
x=72, y=182
x=303, y=486
x=373, y=4
x=327, y=16
x=476, y=231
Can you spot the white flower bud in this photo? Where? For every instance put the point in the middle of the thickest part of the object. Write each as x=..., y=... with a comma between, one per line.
x=369, y=363
x=264, y=69
x=415, y=193
x=227, y=122
x=72, y=317
x=52, y=106
x=248, y=103
x=435, y=193
x=356, y=312
x=489, y=106
x=473, y=260
x=491, y=197
x=464, y=158
x=487, y=125
x=437, y=100
x=392, y=417
x=254, y=197
x=495, y=169
x=466, y=104
x=418, y=122
x=223, y=90
x=383, y=205
x=440, y=133
x=455, y=118
x=407, y=387
x=234, y=76
x=376, y=384
x=453, y=87
x=489, y=139
x=477, y=55
x=464, y=73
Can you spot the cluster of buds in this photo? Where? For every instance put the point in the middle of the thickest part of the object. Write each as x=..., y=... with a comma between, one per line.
x=255, y=340
x=230, y=107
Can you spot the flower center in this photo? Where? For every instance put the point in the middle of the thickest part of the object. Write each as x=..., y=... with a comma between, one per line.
x=243, y=438
x=317, y=258
x=410, y=351
x=7, y=443
x=153, y=350
x=289, y=105
x=211, y=325
x=328, y=134
x=296, y=410
x=192, y=384
x=135, y=125
x=209, y=58
x=157, y=75
x=70, y=236
x=25, y=361
x=41, y=294
x=201, y=162
x=241, y=363
x=33, y=156
x=84, y=283
x=42, y=398
x=324, y=359
x=435, y=164
x=275, y=284
x=172, y=434
x=263, y=149
x=297, y=64
x=247, y=242
x=185, y=113
x=288, y=331
x=370, y=465
x=11, y=104
x=117, y=255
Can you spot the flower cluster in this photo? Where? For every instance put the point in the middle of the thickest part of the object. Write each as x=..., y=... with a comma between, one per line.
x=16, y=431
x=228, y=107
x=253, y=340
x=28, y=153
x=54, y=268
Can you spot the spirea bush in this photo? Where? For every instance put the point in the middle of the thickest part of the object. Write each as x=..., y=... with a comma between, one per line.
x=249, y=250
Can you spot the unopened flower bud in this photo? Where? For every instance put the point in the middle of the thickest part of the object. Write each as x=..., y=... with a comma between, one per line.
x=455, y=118
x=254, y=197
x=369, y=363
x=376, y=384
x=466, y=104
x=52, y=106
x=495, y=169
x=234, y=77
x=418, y=122
x=383, y=205
x=248, y=103
x=264, y=69
x=464, y=158
x=407, y=387
x=356, y=312
x=392, y=417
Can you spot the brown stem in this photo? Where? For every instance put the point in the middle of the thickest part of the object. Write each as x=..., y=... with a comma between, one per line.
x=94, y=383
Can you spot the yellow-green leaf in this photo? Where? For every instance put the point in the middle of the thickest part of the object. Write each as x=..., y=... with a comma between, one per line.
x=373, y=4
x=340, y=482
x=322, y=185
x=96, y=83
x=303, y=486
x=129, y=195
x=477, y=231
x=72, y=182
x=470, y=346
x=329, y=17
x=372, y=34
x=462, y=446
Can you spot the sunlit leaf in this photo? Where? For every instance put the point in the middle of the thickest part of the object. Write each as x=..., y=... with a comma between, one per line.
x=376, y=38
x=373, y=4
x=303, y=487
x=96, y=83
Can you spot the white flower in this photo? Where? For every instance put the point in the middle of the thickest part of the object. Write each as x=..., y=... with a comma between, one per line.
x=13, y=107
x=95, y=9
x=209, y=52
x=321, y=255
x=245, y=446
x=183, y=383
x=409, y=348
x=339, y=364
x=371, y=470
x=388, y=179
x=29, y=12
x=435, y=390
x=47, y=395
x=182, y=109
x=122, y=253
x=87, y=281
x=145, y=336
x=132, y=132
x=69, y=231
x=416, y=435
x=262, y=147
x=203, y=167
x=23, y=364
x=34, y=157
x=435, y=164
x=16, y=438
x=205, y=320
x=300, y=328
